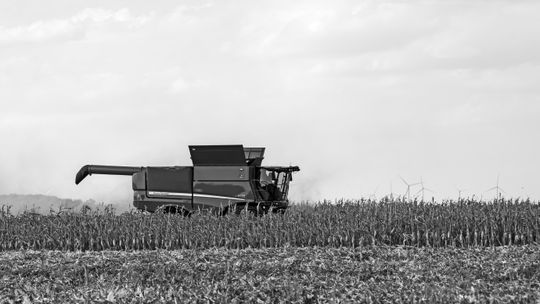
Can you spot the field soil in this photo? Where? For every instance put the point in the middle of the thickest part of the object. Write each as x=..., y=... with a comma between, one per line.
x=509, y=274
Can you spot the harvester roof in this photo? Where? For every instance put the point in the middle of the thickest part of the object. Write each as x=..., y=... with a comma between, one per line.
x=226, y=155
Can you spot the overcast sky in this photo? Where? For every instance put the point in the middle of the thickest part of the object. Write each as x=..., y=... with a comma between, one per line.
x=356, y=93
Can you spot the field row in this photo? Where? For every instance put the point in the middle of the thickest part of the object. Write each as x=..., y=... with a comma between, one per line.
x=394, y=274
x=342, y=224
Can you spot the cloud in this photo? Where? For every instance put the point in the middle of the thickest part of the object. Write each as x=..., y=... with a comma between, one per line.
x=319, y=30
x=178, y=85
x=392, y=36
x=72, y=28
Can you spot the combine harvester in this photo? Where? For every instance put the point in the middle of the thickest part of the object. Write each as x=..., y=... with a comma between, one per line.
x=221, y=178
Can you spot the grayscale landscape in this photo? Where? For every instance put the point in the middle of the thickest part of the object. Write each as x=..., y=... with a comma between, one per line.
x=372, y=151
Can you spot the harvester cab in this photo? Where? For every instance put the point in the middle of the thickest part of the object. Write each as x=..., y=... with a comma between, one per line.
x=221, y=178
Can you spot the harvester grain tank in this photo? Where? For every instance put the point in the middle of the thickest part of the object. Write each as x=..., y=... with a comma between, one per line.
x=222, y=178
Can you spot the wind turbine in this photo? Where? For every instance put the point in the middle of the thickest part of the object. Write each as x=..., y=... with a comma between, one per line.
x=390, y=195
x=372, y=196
x=408, y=192
x=422, y=189
x=460, y=191
x=497, y=188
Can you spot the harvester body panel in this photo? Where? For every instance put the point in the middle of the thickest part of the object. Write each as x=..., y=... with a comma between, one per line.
x=221, y=177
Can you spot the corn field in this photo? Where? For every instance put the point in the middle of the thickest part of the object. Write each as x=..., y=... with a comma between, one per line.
x=351, y=224
x=381, y=274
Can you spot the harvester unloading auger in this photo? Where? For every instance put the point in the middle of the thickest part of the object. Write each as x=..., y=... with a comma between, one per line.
x=221, y=178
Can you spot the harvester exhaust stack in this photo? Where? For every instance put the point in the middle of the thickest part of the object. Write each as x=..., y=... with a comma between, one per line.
x=112, y=170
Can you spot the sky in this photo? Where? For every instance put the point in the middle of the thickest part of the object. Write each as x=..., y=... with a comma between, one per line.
x=359, y=94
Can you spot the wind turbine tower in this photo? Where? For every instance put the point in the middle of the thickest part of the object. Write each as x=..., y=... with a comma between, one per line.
x=423, y=189
x=460, y=191
x=497, y=189
x=408, y=192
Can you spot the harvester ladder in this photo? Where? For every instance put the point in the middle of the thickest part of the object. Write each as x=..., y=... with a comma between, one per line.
x=284, y=186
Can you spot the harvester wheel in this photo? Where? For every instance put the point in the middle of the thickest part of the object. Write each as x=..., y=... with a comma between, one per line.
x=175, y=210
x=279, y=211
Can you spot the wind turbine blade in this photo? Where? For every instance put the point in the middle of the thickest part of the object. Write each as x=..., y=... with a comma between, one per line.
x=404, y=181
